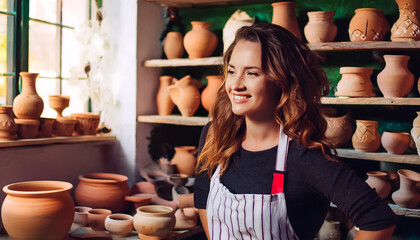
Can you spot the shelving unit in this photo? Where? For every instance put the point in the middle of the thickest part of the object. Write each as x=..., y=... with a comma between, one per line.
x=370, y=101
x=407, y=212
x=379, y=156
x=187, y=3
x=174, y=120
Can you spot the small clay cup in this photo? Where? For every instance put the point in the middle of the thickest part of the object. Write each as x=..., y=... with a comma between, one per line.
x=119, y=225
x=27, y=128
x=81, y=215
x=45, y=127
x=64, y=126
x=96, y=218
x=58, y=103
x=87, y=123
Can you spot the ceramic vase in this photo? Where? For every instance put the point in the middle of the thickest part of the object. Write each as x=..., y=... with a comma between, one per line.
x=87, y=123
x=339, y=129
x=355, y=82
x=330, y=230
x=378, y=180
x=209, y=94
x=284, y=15
x=27, y=128
x=59, y=103
x=395, y=142
x=63, y=126
x=96, y=218
x=368, y=24
x=81, y=215
x=119, y=225
x=407, y=196
x=103, y=190
x=415, y=132
x=320, y=27
x=28, y=104
x=407, y=27
x=154, y=221
x=185, y=160
x=200, y=42
x=173, y=46
x=366, y=138
x=185, y=95
x=236, y=21
x=395, y=80
x=8, y=127
x=45, y=127
x=38, y=210
x=164, y=103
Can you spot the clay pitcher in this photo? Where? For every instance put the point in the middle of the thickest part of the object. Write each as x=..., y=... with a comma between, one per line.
x=339, y=129
x=407, y=27
x=200, y=42
x=185, y=160
x=395, y=80
x=320, y=27
x=368, y=24
x=8, y=126
x=209, y=94
x=164, y=103
x=355, y=82
x=407, y=196
x=415, y=132
x=366, y=138
x=378, y=180
x=173, y=45
x=185, y=95
x=28, y=104
x=284, y=15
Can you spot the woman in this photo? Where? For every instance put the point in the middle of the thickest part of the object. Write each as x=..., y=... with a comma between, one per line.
x=266, y=169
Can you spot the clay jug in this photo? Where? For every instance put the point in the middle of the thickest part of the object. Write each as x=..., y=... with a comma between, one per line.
x=237, y=20
x=368, y=24
x=154, y=221
x=185, y=159
x=366, y=138
x=407, y=27
x=185, y=95
x=284, y=15
x=415, y=132
x=164, y=103
x=395, y=80
x=173, y=45
x=209, y=94
x=28, y=104
x=103, y=190
x=330, y=230
x=200, y=42
x=378, y=180
x=339, y=129
x=407, y=196
x=320, y=27
x=355, y=82
x=395, y=142
x=38, y=210
x=8, y=126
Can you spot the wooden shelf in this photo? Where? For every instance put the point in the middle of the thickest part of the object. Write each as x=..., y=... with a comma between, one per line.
x=189, y=3
x=184, y=62
x=379, y=156
x=174, y=120
x=52, y=140
x=370, y=101
x=406, y=212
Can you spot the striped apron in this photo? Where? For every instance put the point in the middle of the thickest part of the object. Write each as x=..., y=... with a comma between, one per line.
x=251, y=216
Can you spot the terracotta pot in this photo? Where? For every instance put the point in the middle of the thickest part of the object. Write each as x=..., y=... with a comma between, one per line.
x=27, y=128
x=87, y=123
x=394, y=179
x=396, y=80
x=63, y=126
x=45, y=127
x=28, y=104
x=366, y=138
x=209, y=94
x=138, y=200
x=368, y=24
x=119, y=225
x=96, y=218
x=330, y=230
x=164, y=103
x=8, y=127
x=59, y=103
x=38, y=210
x=103, y=190
x=395, y=142
x=186, y=218
x=378, y=180
x=320, y=27
x=185, y=160
x=339, y=129
x=200, y=42
x=236, y=21
x=81, y=215
x=173, y=45
x=284, y=15
x=415, y=132
x=154, y=221
x=185, y=95
x=146, y=187
x=407, y=196
x=355, y=82
x=407, y=27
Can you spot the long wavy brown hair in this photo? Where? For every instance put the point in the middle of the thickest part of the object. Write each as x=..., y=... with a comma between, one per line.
x=295, y=69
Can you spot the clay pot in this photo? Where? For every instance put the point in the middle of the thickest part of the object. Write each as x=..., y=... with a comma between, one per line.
x=415, y=132
x=394, y=179
x=185, y=160
x=164, y=103
x=8, y=127
x=173, y=45
x=154, y=221
x=59, y=103
x=368, y=24
x=339, y=129
x=87, y=123
x=236, y=21
x=200, y=42
x=96, y=218
x=185, y=95
x=366, y=138
x=146, y=187
x=378, y=180
x=139, y=200
x=209, y=94
x=27, y=128
x=119, y=225
x=330, y=230
x=407, y=196
x=395, y=80
x=320, y=27
x=407, y=27
x=355, y=82
x=45, y=127
x=81, y=215
x=63, y=126
x=395, y=142
x=38, y=210
x=284, y=15
x=28, y=104
x=103, y=190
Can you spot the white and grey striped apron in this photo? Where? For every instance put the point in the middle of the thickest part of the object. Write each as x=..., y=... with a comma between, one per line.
x=251, y=216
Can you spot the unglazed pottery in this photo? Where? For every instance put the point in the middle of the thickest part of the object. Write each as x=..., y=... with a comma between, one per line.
x=38, y=210
x=330, y=230
x=154, y=221
x=28, y=104
x=64, y=126
x=378, y=180
x=395, y=80
x=237, y=20
x=284, y=15
x=81, y=215
x=320, y=27
x=185, y=95
x=45, y=127
x=209, y=94
x=185, y=160
x=27, y=128
x=407, y=27
x=394, y=179
x=87, y=123
x=368, y=24
x=407, y=196
x=173, y=45
x=200, y=42
x=146, y=187
x=186, y=218
x=164, y=103
x=415, y=132
x=366, y=138
x=119, y=225
x=339, y=129
x=96, y=218
x=138, y=200
x=395, y=142
x=8, y=127
x=103, y=190
x=355, y=82
x=59, y=103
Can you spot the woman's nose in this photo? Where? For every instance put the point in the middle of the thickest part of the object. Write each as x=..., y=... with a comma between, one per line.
x=238, y=83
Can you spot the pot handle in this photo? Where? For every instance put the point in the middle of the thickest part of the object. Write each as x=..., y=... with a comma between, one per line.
x=177, y=98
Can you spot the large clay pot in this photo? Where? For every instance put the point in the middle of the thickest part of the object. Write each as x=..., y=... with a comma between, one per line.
x=395, y=142
x=237, y=20
x=378, y=180
x=8, y=127
x=330, y=230
x=284, y=15
x=320, y=27
x=355, y=82
x=87, y=123
x=415, y=132
x=407, y=196
x=38, y=210
x=209, y=94
x=173, y=45
x=185, y=160
x=200, y=42
x=154, y=221
x=185, y=95
x=28, y=104
x=407, y=27
x=368, y=24
x=395, y=80
x=164, y=103
x=103, y=190
x=366, y=138
x=339, y=129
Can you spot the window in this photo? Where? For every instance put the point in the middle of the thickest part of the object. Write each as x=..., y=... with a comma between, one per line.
x=7, y=48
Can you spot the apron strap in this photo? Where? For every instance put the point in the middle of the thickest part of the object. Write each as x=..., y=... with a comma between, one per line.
x=282, y=149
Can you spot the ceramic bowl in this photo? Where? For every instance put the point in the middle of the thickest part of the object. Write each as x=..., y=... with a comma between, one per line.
x=27, y=128
x=96, y=218
x=58, y=103
x=119, y=225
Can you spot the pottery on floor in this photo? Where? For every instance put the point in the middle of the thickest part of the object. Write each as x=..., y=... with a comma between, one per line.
x=119, y=225
x=154, y=221
x=96, y=218
x=81, y=215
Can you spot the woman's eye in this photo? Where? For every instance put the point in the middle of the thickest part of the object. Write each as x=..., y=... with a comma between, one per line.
x=253, y=74
x=230, y=72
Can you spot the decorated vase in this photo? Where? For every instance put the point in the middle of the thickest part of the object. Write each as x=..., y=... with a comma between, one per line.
x=368, y=24
x=339, y=129
x=8, y=127
x=366, y=138
x=407, y=27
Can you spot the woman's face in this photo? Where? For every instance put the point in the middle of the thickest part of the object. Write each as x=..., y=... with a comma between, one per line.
x=249, y=91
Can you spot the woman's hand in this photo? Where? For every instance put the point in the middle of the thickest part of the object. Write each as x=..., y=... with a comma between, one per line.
x=203, y=218
x=375, y=235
